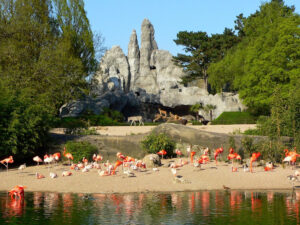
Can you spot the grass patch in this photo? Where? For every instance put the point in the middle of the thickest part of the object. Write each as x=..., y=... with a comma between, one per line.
x=235, y=118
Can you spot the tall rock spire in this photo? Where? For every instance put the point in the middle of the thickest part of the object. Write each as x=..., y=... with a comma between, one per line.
x=148, y=44
x=133, y=58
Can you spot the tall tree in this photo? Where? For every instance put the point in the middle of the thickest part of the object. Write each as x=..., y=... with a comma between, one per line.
x=267, y=58
x=75, y=30
x=201, y=50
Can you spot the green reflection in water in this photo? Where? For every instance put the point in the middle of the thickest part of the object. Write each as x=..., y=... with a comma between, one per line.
x=205, y=207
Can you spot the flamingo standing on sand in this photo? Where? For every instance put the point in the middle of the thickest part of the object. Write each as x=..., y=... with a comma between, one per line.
x=231, y=156
x=37, y=159
x=254, y=157
x=68, y=155
x=162, y=153
x=97, y=158
x=56, y=156
x=217, y=152
x=117, y=164
x=178, y=152
x=291, y=157
x=6, y=161
x=192, y=156
x=48, y=159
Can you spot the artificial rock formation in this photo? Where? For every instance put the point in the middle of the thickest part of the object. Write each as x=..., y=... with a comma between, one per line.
x=150, y=75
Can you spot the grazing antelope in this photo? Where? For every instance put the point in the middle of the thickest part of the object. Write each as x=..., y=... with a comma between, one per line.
x=162, y=112
x=134, y=119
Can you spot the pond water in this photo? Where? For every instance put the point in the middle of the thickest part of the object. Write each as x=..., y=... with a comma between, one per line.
x=203, y=207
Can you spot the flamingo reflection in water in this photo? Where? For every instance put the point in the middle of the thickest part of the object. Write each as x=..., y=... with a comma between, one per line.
x=51, y=201
x=67, y=203
x=205, y=203
x=37, y=199
x=292, y=205
x=256, y=203
x=235, y=200
x=270, y=196
x=129, y=205
x=191, y=202
x=15, y=207
x=176, y=200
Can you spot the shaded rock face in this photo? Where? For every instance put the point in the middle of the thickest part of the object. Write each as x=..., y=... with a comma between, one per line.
x=116, y=100
x=150, y=75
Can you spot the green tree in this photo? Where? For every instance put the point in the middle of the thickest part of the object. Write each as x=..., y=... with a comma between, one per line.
x=195, y=109
x=209, y=109
x=267, y=57
x=76, y=31
x=201, y=50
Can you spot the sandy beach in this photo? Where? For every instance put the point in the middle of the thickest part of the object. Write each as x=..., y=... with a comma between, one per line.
x=209, y=177
x=132, y=130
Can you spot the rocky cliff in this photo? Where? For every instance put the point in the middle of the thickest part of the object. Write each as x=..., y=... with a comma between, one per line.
x=152, y=77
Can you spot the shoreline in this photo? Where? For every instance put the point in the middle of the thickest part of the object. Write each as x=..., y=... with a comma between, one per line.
x=209, y=178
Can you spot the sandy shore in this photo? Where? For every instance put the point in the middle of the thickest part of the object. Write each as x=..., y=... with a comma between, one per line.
x=209, y=177
x=131, y=130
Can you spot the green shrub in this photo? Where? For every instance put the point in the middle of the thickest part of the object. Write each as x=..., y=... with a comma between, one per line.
x=248, y=145
x=81, y=149
x=271, y=150
x=231, y=142
x=235, y=118
x=153, y=143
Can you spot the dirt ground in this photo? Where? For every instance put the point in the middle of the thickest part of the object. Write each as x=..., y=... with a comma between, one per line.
x=131, y=130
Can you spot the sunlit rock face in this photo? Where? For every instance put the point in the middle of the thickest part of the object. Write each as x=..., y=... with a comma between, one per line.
x=152, y=77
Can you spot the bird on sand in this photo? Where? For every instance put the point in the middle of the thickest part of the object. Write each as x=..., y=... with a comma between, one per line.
x=22, y=167
x=226, y=188
x=39, y=176
x=53, y=175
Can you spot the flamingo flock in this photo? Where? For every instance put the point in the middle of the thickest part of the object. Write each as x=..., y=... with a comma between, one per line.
x=131, y=165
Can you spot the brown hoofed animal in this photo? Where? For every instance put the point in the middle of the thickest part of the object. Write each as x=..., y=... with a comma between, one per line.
x=162, y=112
x=157, y=117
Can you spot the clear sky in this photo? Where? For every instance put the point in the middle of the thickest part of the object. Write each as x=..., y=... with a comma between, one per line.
x=116, y=19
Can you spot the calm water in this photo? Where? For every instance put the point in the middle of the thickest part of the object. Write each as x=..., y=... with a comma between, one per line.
x=205, y=207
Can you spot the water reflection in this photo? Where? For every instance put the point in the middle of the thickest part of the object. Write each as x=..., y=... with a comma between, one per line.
x=205, y=207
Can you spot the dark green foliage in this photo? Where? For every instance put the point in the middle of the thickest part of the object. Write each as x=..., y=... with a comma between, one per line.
x=108, y=118
x=24, y=123
x=271, y=150
x=81, y=149
x=41, y=67
x=201, y=50
x=231, y=142
x=153, y=143
x=195, y=110
x=248, y=145
x=235, y=118
x=267, y=58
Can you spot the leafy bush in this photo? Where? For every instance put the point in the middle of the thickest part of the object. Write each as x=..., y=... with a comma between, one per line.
x=24, y=123
x=271, y=150
x=235, y=118
x=232, y=142
x=153, y=143
x=248, y=145
x=81, y=149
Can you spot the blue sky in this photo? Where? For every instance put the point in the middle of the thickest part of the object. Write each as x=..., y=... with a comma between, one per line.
x=116, y=19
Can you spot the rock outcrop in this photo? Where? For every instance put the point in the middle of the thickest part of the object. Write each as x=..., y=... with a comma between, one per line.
x=151, y=75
